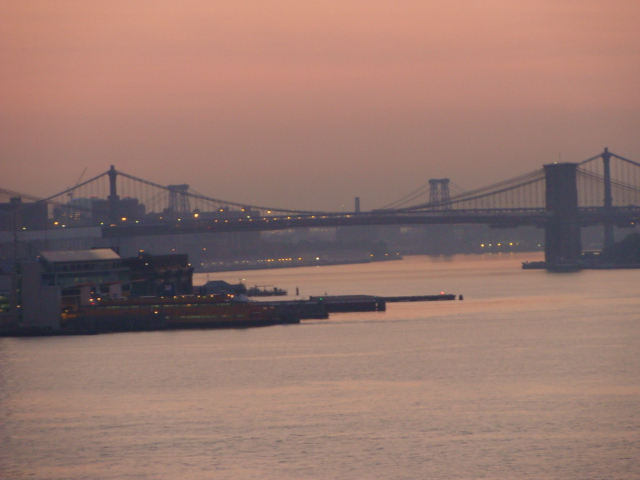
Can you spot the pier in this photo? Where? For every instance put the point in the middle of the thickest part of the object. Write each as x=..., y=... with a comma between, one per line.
x=319, y=307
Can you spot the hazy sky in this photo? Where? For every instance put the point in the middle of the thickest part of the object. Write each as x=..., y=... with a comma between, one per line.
x=302, y=104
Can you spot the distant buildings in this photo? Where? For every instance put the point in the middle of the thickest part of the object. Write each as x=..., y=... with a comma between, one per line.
x=17, y=215
x=95, y=211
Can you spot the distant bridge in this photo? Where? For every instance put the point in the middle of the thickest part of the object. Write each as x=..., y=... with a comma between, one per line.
x=560, y=197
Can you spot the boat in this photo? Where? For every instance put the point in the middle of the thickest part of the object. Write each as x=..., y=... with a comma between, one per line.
x=564, y=267
x=257, y=291
x=553, y=267
x=177, y=312
x=534, y=265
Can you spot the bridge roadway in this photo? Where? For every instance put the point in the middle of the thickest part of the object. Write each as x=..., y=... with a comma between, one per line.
x=496, y=218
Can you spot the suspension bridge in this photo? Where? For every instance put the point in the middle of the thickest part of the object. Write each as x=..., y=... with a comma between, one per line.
x=560, y=197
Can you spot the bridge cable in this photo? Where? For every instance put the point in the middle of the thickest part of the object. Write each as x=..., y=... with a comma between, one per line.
x=73, y=188
x=218, y=201
x=478, y=193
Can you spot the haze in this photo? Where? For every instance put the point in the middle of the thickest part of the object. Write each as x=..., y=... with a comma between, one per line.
x=308, y=104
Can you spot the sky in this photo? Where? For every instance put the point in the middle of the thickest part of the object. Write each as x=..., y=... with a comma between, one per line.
x=306, y=105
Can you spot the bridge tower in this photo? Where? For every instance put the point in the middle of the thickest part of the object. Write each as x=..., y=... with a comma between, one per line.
x=562, y=232
x=608, y=198
x=439, y=193
x=113, y=198
x=178, y=199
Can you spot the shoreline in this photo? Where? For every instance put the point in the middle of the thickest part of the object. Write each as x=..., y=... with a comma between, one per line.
x=267, y=265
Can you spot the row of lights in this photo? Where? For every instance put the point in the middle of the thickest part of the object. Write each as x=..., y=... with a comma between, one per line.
x=197, y=215
x=500, y=244
x=282, y=259
x=266, y=260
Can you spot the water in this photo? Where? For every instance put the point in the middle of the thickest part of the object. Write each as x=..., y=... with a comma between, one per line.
x=534, y=375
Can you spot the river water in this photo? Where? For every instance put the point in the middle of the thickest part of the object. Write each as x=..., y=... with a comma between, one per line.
x=532, y=376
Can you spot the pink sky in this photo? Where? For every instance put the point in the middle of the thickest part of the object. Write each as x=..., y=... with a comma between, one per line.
x=309, y=104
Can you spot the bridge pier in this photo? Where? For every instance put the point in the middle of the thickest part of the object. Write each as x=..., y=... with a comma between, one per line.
x=562, y=231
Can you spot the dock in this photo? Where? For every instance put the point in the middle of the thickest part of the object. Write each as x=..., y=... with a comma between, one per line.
x=319, y=307
x=422, y=298
x=351, y=303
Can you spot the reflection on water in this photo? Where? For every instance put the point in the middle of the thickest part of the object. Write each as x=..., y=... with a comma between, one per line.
x=533, y=375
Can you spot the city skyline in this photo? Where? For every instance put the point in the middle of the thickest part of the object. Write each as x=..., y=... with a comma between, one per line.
x=306, y=107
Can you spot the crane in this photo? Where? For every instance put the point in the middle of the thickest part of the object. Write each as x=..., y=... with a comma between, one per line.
x=70, y=194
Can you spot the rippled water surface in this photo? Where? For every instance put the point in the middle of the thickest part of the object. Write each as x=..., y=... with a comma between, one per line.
x=533, y=375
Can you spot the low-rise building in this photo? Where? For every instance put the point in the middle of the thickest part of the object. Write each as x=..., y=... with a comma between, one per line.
x=65, y=280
